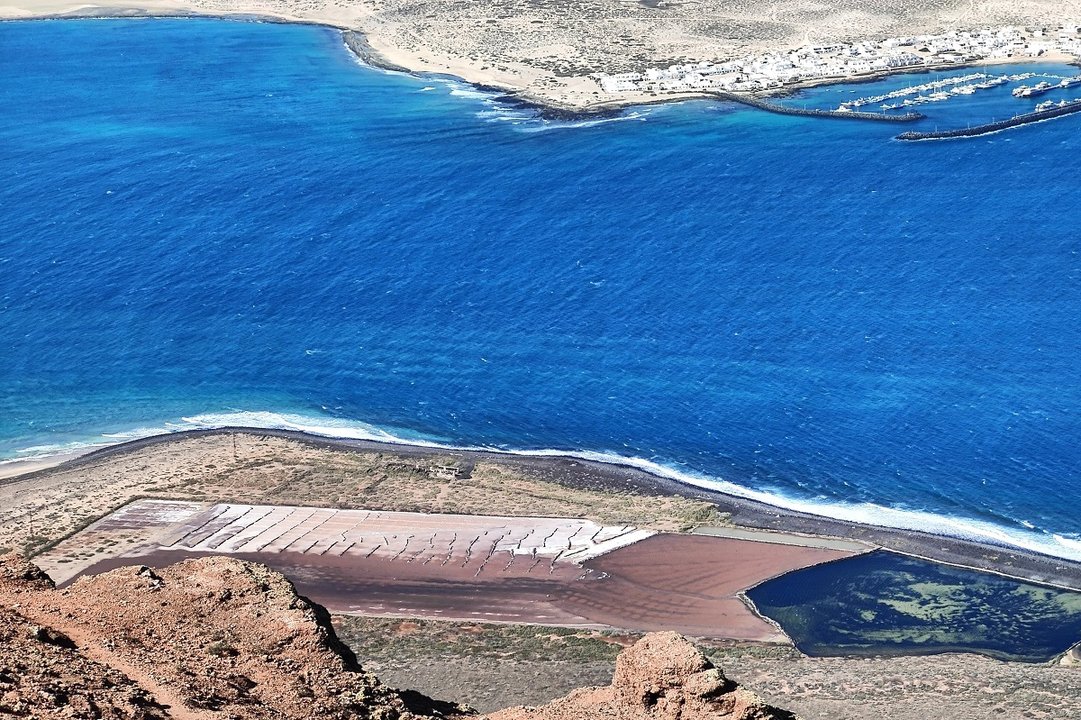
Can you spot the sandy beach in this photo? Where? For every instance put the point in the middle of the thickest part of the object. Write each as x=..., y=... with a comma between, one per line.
x=532, y=51
x=273, y=468
x=15, y=468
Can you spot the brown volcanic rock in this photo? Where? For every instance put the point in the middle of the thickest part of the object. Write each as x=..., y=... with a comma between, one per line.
x=43, y=676
x=17, y=573
x=662, y=677
x=211, y=637
x=223, y=638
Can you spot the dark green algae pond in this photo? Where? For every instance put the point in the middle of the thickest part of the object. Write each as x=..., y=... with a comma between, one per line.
x=883, y=603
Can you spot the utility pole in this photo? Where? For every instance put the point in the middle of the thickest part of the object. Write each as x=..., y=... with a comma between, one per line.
x=29, y=514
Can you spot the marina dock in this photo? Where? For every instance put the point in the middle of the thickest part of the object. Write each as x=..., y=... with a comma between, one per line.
x=814, y=112
x=986, y=129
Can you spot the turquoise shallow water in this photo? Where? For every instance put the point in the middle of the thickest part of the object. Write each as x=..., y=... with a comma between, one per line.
x=207, y=222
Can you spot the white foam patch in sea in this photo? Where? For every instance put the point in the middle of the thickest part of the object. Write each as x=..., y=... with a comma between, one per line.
x=494, y=109
x=524, y=118
x=1062, y=545
x=467, y=91
x=542, y=125
x=1071, y=542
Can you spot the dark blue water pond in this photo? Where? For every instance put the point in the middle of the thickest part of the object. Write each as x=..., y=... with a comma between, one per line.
x=888, y=604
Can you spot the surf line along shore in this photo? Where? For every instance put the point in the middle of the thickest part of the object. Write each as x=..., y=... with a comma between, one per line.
x=513, y=88
x=359, y=46
x=575, y=472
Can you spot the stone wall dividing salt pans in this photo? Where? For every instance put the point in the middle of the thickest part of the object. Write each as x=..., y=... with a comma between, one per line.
x=237, y=528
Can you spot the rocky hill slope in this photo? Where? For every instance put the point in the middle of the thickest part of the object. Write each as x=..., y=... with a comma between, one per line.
x=662, y=677
x=223, y=638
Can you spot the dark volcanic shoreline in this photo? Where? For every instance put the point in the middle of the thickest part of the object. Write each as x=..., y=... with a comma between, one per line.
x=609, y=476
x=362, y=49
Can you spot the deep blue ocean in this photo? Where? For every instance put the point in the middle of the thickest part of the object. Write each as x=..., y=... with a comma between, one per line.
x=206, y=222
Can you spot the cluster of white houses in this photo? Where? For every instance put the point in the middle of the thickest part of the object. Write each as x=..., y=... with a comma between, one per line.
x=777, y=69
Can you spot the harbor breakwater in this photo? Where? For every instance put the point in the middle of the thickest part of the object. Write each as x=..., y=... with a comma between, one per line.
x=997, y=126
x=813, y=112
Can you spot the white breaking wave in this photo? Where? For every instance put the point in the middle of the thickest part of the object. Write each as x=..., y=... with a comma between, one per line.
x=546, y=125
x=47, y=452
x=462, y=89
x=322, y=426
x=1035, y=540
x=1070, y=542
x=467, y=92
x=526, y=119
x=504, y=114
x=44, y=451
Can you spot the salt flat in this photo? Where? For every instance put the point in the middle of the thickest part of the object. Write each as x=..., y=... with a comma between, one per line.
x=231, y=528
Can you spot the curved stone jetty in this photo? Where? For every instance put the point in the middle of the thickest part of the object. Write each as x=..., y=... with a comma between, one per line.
x=814, y=112
x=999, y=125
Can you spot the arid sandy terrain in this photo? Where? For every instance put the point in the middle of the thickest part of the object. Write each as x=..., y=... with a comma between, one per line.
x=39, y=509
x=546, y=49
x=490, y=666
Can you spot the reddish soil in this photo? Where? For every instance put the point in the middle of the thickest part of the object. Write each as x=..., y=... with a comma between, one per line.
x=380, y=586
x=687, y=583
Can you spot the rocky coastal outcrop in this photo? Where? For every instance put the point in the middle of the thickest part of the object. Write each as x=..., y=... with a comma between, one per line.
x=212, y=637
x=662, y=677
x=224, y=638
